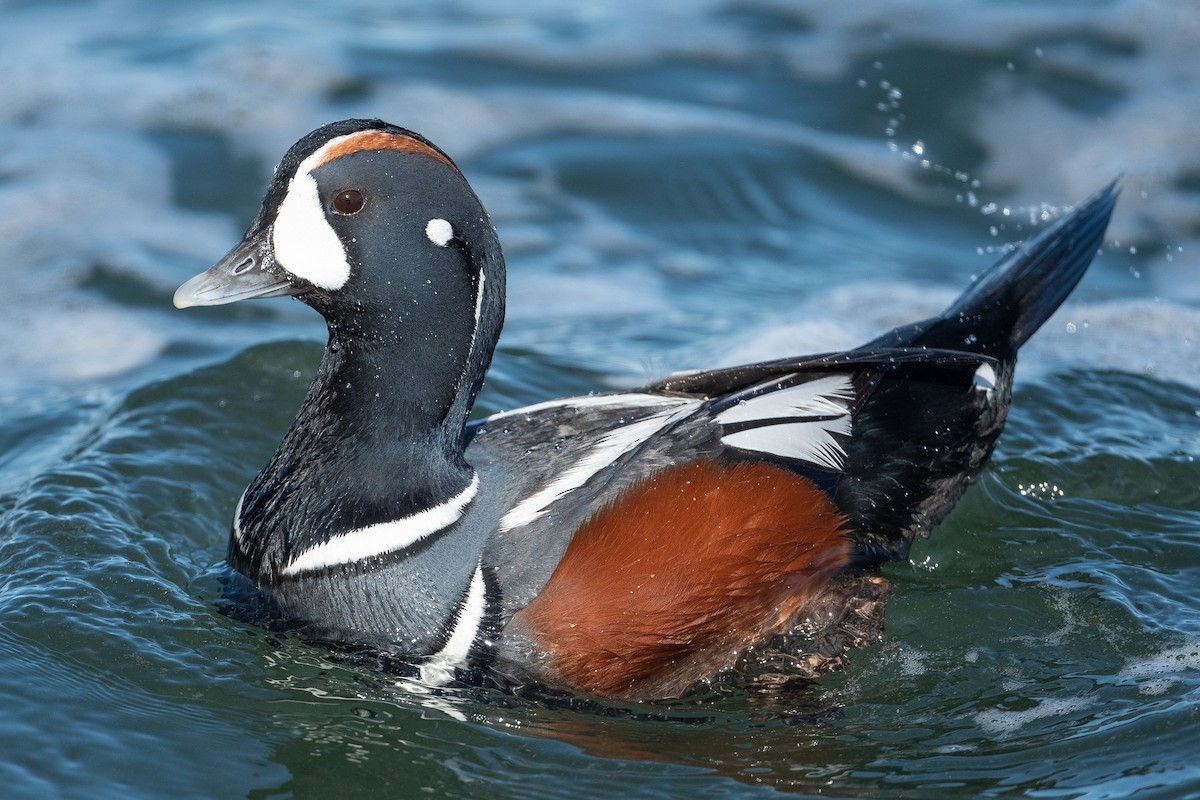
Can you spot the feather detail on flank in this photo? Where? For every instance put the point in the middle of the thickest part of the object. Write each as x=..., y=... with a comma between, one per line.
x=801, y=422
x=384, y=537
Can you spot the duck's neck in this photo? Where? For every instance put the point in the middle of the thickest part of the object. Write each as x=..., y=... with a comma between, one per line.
x=378, y=438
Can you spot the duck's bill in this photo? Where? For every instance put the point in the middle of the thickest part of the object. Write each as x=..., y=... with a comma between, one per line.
x=246, y=272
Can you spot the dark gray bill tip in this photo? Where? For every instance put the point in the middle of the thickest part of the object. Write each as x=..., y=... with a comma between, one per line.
x=232, y=279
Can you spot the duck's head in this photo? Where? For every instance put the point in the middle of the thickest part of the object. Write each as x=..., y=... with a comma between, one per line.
x=375, y=228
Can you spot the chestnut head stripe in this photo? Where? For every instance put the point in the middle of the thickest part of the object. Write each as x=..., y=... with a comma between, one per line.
x=377, y=140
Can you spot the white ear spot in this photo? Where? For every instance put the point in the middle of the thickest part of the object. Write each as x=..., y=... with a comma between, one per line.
x=439, y=231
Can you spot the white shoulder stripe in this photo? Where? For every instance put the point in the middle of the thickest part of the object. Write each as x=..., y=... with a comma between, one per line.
x=800, y=422
x=606, y=451
x=439, y=669
x=384, y=537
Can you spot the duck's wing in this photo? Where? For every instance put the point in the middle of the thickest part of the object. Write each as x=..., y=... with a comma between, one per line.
x=892, y=432
x=919, y=425
x=891, y=436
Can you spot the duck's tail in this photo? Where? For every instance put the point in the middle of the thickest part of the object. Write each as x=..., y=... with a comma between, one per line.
x=916, y=448
x=1010, y=301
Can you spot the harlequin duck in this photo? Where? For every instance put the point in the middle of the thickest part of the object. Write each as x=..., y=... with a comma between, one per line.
x=630, y=544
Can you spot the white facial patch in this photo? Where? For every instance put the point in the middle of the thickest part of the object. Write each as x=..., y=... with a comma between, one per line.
x=305, y=244
x=440, y=232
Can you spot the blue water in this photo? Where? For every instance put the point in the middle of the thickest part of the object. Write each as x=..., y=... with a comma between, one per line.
x=677, y=185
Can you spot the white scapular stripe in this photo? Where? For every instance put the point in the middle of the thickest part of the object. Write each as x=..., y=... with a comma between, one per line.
x=606, y=451
x=305, y=244
x=384, y=537
x=818, y=410
x=439, y=669
x=633, y=400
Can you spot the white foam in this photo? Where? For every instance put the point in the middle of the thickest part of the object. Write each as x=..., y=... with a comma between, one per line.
x=1001, y=722
x=1158, y=674
x=81, y=93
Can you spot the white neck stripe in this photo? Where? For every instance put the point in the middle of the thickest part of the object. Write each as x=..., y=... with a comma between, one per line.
x=384, y=537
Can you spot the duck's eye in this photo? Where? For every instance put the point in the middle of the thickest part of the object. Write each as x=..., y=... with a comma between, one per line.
x=348, y=201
